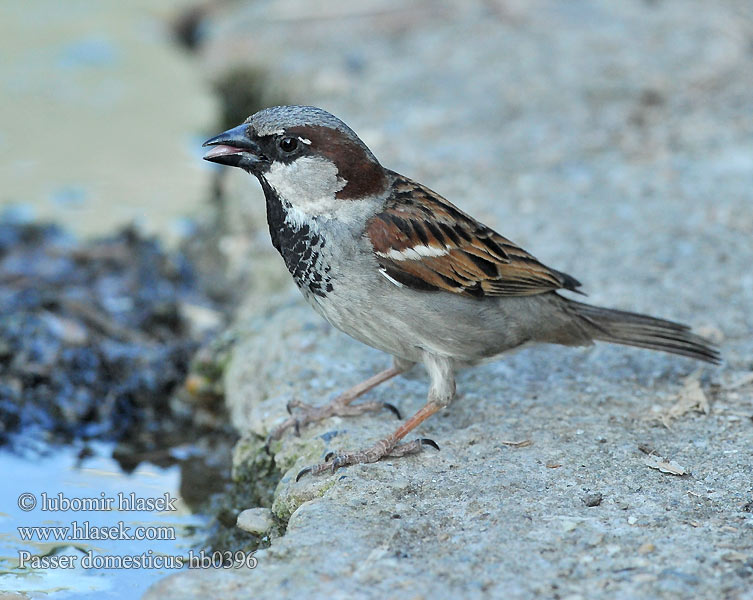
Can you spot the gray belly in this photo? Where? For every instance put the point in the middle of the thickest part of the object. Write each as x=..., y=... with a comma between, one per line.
x=406, y=323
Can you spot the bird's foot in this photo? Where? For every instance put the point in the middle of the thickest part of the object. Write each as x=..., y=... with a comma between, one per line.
x=340, y=406
x=307, y=413
x=387, y=448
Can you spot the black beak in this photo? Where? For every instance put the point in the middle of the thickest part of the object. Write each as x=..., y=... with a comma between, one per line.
x=235, y=149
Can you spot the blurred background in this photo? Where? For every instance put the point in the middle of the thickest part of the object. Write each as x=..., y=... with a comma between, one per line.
x=104, y=103
x=612, y=139
x=99, y=114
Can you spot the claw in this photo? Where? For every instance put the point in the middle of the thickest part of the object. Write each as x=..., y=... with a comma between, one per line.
x=297, y=428
x=428, y=442
x=393, y=408
x=291, y=404
x=302, y=472
x=328, y=456
x=266, y=447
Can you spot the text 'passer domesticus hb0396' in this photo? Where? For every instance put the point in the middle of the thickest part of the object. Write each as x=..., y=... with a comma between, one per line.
x=396, y=266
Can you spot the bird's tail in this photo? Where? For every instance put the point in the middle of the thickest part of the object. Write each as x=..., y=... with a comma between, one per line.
x=632, y=329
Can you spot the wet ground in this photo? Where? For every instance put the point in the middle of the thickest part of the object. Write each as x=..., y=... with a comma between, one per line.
x=95, y=337
x=107, y=381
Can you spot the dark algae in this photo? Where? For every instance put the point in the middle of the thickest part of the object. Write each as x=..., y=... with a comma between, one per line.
x=95, y=341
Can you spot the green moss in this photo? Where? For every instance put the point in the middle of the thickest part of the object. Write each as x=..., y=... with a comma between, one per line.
x=256, y=470
x=290, y=495
x=254, y=479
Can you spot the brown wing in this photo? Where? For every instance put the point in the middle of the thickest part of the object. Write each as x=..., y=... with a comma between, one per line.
x=424, y=242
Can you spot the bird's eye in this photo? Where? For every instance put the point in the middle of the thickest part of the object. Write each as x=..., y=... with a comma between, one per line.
x=288, y=144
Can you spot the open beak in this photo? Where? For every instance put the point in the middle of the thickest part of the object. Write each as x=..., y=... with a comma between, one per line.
x=235, y=149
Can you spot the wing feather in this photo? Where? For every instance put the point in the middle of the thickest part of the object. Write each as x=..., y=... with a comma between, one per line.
x=423, y=241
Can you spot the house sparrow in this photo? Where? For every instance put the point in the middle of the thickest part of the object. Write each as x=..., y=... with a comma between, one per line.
x=396, y=266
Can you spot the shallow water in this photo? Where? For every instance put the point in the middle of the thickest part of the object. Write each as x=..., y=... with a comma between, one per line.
x=98, y=477
x=65, y=378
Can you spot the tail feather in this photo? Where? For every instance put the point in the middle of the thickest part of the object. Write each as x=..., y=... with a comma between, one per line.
x=633, y=329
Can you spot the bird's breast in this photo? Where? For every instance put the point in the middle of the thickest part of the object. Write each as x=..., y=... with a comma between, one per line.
x=302, y=247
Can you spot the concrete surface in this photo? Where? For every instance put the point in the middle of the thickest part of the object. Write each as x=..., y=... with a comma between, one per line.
x=612, y=140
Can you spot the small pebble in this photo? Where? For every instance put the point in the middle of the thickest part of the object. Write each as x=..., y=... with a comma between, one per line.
x=255, y=520
x=646, y=548
x=592, y=499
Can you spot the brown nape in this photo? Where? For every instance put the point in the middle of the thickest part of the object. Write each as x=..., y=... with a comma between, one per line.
x=365, y=176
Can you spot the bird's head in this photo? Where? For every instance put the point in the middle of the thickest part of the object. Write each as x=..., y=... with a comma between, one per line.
x=306, y=156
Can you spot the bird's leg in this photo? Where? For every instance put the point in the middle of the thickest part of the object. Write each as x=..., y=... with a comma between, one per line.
x=341, y=405
x=441, y=393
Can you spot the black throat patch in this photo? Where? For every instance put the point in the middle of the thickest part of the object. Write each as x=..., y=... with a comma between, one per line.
x=299, y=247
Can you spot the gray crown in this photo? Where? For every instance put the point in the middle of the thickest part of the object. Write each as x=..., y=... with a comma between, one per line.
x=277, y=118
x=272, y=119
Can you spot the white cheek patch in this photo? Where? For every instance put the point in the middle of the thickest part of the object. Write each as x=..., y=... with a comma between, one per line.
x=308, y=185
x=414, y=253
x=308, y=189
